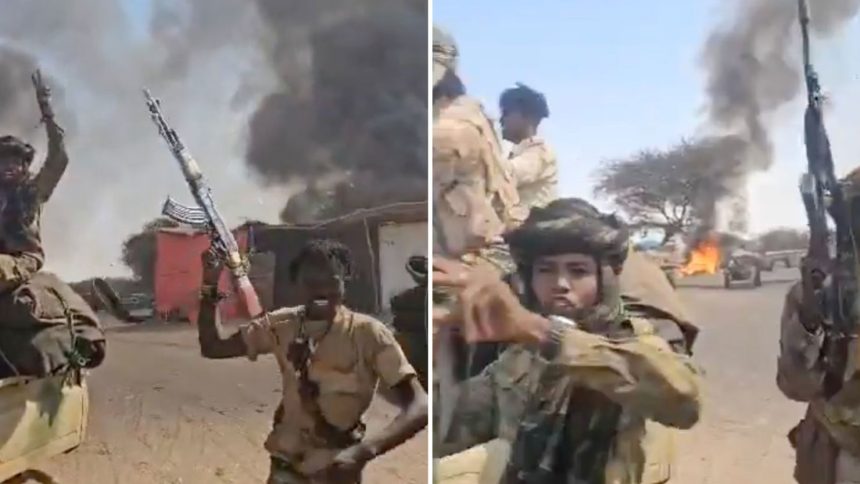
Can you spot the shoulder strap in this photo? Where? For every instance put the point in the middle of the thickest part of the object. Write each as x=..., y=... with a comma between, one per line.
x=309, y=395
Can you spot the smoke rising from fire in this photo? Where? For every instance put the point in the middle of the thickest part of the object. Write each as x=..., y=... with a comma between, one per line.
x=752, y=66
x=217, y=65
x=349, y=117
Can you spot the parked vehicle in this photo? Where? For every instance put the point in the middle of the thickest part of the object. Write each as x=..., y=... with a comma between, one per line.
x=743, y=266
x=788, y=258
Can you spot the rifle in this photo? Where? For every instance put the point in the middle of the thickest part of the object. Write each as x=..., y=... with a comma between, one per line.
x=828, y=280
x=205, y=215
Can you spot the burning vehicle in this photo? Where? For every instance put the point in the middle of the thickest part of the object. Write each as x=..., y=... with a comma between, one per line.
x=703, y=259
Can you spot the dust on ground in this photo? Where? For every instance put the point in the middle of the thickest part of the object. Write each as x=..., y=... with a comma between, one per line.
x=161, y=413
x=741, y=438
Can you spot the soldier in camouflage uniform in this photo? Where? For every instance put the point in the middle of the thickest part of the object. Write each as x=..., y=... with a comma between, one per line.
x=826, y=441
x=34, y=304
x=22, y=196
x=331, y=359
x=532, y=162
x=587, y=392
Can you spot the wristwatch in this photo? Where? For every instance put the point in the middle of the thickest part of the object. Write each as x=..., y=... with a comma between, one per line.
x=558, y=325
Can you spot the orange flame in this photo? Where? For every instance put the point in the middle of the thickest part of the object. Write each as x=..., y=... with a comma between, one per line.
x=705, y=259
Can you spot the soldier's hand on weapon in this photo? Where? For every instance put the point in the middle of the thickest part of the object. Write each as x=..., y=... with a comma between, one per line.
x=487, y=309
x=213, y=265
x=811, y=317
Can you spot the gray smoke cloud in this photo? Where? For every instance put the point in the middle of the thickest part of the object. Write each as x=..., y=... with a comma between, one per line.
x=348, y=120
x=216, y=65
x=752, y=66
x=99, y=55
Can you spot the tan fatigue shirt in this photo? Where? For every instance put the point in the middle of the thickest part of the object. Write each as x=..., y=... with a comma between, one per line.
x=534, y=167
x=474, y=197
x=656, y=386
x=353, y=354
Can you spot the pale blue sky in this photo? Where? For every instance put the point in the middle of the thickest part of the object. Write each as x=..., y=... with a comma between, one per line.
x=621, y=76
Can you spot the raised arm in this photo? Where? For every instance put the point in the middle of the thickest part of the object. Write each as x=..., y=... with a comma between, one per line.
x=57, y=159
x=209, y=331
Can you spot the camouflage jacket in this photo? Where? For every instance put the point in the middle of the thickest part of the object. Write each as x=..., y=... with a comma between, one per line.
x=829, y=433
x=535, y=170
x=21, y=252
x=474, y=198
x=654, y=387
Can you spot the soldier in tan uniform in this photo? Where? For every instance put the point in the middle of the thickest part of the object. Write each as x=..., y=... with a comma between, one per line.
x=331, y=360
x=589, y=389
x=474, y=198
x=532, y=162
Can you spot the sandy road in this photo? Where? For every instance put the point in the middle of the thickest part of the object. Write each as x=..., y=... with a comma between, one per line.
x=162, y=414
x=742, y=436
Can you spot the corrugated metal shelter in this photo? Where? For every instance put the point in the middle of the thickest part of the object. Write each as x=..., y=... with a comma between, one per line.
x=178, y=274
x=381, y=241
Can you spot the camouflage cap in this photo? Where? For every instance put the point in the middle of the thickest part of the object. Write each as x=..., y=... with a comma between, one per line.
x=12, y=145
x=444, y=54
x=570, y=225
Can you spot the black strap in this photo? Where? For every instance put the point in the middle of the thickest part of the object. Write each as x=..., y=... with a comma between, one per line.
x=301, y=353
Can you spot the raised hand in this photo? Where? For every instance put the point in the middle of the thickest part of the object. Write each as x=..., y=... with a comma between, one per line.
x=43, y=96
x=213, y=264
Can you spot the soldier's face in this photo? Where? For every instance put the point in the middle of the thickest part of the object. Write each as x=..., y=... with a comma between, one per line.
x=321, y=288
x=12, y=169
x=565, y=283
x=514, y=126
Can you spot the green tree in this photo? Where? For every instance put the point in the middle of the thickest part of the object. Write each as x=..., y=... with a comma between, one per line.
x=139, y=251
x=674, y=189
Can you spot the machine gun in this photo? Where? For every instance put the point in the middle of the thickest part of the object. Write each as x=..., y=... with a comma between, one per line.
x=205, y=215
x=829, y=281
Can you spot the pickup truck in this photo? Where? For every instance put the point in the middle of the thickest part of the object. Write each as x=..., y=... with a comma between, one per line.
x=742, y=265
x=789, y=258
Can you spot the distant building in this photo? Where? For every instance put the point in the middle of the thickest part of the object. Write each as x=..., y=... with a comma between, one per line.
x=381, y=240
x=178, y=272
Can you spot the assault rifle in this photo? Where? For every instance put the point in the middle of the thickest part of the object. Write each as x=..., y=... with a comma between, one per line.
x=205, y=215
x=829, y=281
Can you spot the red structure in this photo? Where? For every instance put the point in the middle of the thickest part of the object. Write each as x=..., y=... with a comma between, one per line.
x=178, y=272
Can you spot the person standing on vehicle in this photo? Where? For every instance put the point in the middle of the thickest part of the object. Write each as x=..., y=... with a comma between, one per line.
x=331, y=359
x=531, y=161
x=31, y=301
x=589, y=386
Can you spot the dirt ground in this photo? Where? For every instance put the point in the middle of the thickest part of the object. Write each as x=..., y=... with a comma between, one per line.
x=160, y=413
x=742, y=436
